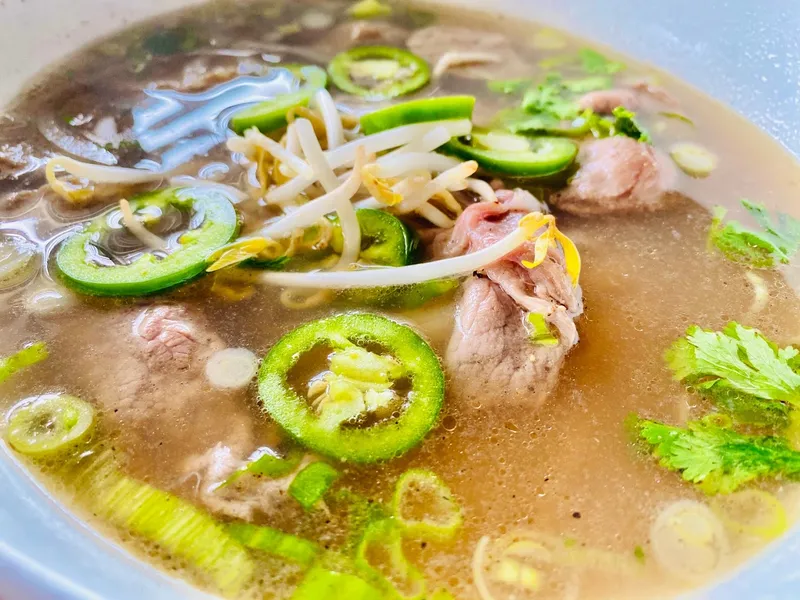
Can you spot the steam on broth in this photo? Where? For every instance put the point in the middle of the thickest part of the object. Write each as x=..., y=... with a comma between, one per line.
x=469, y=324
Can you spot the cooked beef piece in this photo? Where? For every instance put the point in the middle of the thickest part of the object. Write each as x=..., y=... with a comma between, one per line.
x=245, y=496
x=617, y=175
x=145, y=369
x=605, y=101
x=633, y=98
x=490, y=357
x=346, y=35
x=431, y=43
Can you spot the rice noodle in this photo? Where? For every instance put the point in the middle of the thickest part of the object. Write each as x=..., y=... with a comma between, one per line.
x=457, y=59
x=334, y=132
x=372, y=144
x=144, y=235
x=315, y=156
x=482, y=189
x=478, y=558
x=412, y=274
x=444, y=181
x=254, y=138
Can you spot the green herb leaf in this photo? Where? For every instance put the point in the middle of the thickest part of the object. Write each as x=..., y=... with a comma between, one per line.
x=625, y=124
x=550, y=98
x=508, y=86
x=717, y=458
x=778, y=243
x=639, y=555
x=594, y=62
x=738, y=358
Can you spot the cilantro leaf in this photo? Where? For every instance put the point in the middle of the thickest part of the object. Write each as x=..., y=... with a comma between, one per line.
x=549, y=98
x=508, y=86
x=737, y=358
x=778, y=243
x=625, y=124
x=594, y=62
x=717, y=458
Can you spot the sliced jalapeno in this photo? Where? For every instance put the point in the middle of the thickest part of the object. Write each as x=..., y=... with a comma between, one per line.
x=418, y=111
x=271, y=115
x=49, y=424
x=88, y=262
x=502, y=153
x=379, y=397
x=378, y=72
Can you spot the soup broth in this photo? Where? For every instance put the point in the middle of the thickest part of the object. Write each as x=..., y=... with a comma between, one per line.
x=558, y=499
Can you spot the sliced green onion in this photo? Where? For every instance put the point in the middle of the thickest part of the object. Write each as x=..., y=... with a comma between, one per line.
x=30, y=355
x=382, y=539
x=310, y=485
x=321, y=584
x=418, y=111
x=369, y=9
x=752, y=512
x=540, y=332
x=267, y=462
x=49, y=425
x=424, y=506
x=693, y=159
x=441, y=594
x=277, y=543
x=688, y=540
x=393, y=72
x=677, y=116
x=17, y=260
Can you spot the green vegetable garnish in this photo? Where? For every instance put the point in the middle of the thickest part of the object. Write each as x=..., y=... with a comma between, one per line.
x=594, y=62
x=717, y=458
x=150, y=273
x=742, y=371
x=29, y=355
x=418, y=111
x=424, y=506
x=540, y=332
x=310, y=485
x=639, y=555
x=49, y=425
x=380, y=558
x=320, y=583
x=778, y=243
x=369, y=9
x=508, y=86
x=625, y=124
x=502, y=153
x=270, y=464
x=277, y=543
x=378, y=72
x=369, y=434
x=694, y=159
x=271, y=115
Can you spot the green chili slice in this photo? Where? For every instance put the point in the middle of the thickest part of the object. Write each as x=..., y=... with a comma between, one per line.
x=502, y=153
x=418, y=111
x=356, y=419
x=49, y=425
x=213, y=222
x=310, y=485
x=271, y=115
x=378, y=72
x=424, y=506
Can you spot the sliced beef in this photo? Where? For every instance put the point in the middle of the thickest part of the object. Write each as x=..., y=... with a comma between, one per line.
x=617, y=175
x=431, y=43
x=638, y=95
x=490, y=357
